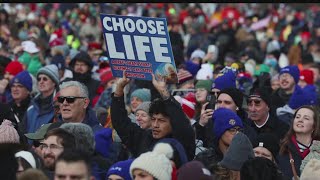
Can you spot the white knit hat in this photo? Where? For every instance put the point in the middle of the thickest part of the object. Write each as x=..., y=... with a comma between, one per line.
x=205, y=73
x=155, y=162
x=28, y=157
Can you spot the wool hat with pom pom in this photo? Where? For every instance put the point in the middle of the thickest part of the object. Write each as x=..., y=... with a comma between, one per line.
x=155, y=162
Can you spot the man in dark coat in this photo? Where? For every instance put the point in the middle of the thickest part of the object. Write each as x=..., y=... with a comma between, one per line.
x=259, y=114
x=168, y=121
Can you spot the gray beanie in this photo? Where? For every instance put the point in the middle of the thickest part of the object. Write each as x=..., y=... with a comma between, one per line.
x=238, y=152
x=144, y=106
x=51, y=71
x=84, y=135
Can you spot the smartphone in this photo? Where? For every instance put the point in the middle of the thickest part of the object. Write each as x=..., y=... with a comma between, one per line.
x=211, y=98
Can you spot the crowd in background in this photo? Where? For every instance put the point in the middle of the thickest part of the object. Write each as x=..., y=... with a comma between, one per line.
x=246, y=105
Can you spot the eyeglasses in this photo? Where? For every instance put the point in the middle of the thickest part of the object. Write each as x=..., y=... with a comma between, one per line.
x=69, y=99
x=52, y=147
x=19, y=86
x=42, y=78
x=235, y=130
x=256, y=101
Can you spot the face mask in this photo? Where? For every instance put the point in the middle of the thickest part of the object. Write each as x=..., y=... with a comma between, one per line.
x=272, y=62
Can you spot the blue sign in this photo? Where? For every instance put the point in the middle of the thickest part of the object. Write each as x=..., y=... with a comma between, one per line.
x=140, y=46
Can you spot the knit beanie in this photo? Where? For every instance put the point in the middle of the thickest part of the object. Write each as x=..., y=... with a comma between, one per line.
x=59, y=61
x=223, y=120
x=103, y=138
x=194, y=170
x=235, y=94
x=143, y=94
x=313, y=154
x=227, y=80
x=268, y=141
x=105, y=75
x=206, y=84
x=293, y=70
x=262, y=93
x=192, y=67
x=238, y=152
x=51, y=71
x=121, y=169
x=198, y=54
x=155, y=162
x=183, y=76
x=8, y=134
x=301, y=97
x=307, y=75
x=13, y=68
x=144, y=106
x=23, y=78
x=83, y=134
x=188, y=104
x=311, y=171
x=205, y=72
x=26, y=155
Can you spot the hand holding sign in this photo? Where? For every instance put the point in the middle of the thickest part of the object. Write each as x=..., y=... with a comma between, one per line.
x=121, y=83
x=161, y=86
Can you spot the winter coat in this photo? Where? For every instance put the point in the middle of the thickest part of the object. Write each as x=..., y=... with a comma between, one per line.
x=284, y=161
x=37, y=114
x=140, y=140
x=19, y=111
x=273, y=125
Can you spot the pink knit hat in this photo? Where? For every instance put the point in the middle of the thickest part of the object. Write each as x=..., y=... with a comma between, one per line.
x=8, y=134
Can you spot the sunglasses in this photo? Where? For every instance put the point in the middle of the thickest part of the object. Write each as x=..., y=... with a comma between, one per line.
x=256, y=101
x=69, y=99
x=42, y=78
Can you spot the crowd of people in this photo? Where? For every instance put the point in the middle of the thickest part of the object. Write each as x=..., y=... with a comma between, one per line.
x=246, y=105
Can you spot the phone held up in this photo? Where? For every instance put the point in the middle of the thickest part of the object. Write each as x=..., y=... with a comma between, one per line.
x=211, y=98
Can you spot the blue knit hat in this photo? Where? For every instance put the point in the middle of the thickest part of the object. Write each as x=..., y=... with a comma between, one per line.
x=143, y=94
x=227, y=80
x=293, y=71
x=302, y=97
x=121, y=169
x=23, y=78
x=103, y=140
x=223, y=120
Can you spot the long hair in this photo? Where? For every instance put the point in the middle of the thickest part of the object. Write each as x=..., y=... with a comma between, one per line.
x=315, y=134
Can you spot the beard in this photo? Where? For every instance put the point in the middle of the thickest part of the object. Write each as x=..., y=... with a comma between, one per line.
x=49, y=162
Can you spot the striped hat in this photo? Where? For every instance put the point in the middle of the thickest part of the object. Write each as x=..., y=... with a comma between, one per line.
x=184, y=76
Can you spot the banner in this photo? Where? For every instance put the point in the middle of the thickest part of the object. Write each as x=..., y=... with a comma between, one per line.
x=140, y=46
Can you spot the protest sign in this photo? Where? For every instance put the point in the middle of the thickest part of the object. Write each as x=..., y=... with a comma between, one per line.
x=140, y=46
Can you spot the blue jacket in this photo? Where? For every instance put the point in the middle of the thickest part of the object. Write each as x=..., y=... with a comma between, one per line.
x=37, y=115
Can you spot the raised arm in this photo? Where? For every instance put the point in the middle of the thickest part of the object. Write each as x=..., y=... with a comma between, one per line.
x=130, y=133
